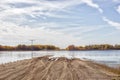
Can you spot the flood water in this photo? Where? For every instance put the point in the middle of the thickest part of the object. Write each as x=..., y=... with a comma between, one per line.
x=108, y=57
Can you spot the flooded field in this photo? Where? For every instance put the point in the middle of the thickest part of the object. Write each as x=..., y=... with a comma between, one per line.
x=111, y=57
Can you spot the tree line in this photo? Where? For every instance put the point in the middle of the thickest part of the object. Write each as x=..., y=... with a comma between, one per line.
x=52, y=47
x=28, y=47
x=94, y=47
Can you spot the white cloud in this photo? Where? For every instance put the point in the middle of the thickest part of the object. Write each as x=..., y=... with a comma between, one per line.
x=112, y=23
x=92, y=4
x=41, y=7
x=116, y=0
x=81, y=30
x=38, y=8
x=118, y=9
x=11, y=30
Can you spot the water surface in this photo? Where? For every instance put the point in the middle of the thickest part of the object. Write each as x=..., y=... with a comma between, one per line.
x=109, y=57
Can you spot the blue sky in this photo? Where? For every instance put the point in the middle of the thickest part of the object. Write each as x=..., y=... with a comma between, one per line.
x=59, y=22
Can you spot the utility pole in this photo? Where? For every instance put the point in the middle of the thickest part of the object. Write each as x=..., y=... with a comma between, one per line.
x=32, y=47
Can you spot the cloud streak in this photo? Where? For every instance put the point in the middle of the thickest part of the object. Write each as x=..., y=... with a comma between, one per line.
x=112, y=23
x=37, y=8
x=92, y=4
x=118, y=9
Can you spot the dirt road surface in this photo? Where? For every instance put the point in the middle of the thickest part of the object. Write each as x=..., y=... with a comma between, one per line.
x=45, y=68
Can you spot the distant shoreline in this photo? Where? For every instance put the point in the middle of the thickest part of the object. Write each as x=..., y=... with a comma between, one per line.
x=23, y=47
x=62, y=50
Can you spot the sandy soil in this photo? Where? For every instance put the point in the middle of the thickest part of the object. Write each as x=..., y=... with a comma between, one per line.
x=45, y=68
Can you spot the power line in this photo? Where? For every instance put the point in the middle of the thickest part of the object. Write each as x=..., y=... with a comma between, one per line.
x=32, y=41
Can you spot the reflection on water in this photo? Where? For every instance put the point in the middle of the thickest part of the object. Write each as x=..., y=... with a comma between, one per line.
x=111, y=57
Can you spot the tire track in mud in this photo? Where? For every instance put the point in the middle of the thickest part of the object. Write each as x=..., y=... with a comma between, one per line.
x=44, y=68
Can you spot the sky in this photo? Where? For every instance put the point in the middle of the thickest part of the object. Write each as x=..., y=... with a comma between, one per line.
x=60, y=22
